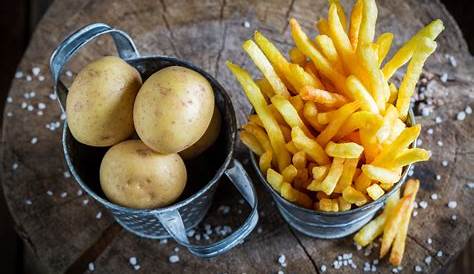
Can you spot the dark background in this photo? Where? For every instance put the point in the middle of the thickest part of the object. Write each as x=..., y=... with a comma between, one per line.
x=18, y=19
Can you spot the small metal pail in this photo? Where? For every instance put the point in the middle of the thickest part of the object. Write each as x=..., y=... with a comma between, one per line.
x=204, y=173
x=328, y=225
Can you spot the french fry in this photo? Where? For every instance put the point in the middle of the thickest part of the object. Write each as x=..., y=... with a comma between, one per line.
x=361, y=94
x=358, y=120
x=375, y=227
x=409, y=157
x=362, y=182
x=325, y=44
x=331, y=129
x=384, y=41
x=286, y=131
x=393, y=223
x=343, y=204
x=391, y=115
x=331, y=179
x=251, y=142
x=297, y=102
x=297, y=57
x=356, y=19
x=293, y=195
x=290, y=114
x=329, y=205
x=398, y=247
x=299, y=159
x=301, y=181
x=347, y=175
x=299, y=78
x=290, y=146
x=310, y=113
x=425, y=48
x=406, y=137
x=340, y=13
x=344, y=150
x=275, y=179
x=311, y=70
x=375, y=191
x=353, y=196
x=369, y=141
x=265, y=161
x=310, y=146
x=274, y=112
x=260, y=134
x=398, y=127
x=265, y=87
x=401, y=57
x=323, y=26
x=393, y=93
x=289, y=173
x=322, y=97
x=265, y=67
x=367, y=24
x=254, y=119
x=383, y=175
x=338, y=34
x=258, y=102
x=322, y=64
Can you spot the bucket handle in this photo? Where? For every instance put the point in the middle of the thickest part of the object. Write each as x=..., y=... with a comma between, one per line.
x=172, y=222
x=62, y=54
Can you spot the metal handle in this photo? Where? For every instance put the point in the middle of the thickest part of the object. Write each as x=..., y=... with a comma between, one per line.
x=173, y=223
x=61, y=55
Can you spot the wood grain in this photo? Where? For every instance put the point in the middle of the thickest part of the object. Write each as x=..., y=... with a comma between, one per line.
x=65, y=234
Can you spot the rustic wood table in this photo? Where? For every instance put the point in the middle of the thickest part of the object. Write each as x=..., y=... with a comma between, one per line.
x=66, y=230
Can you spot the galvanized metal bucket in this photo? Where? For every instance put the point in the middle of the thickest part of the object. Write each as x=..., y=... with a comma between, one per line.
x=204, y=173
x=328, y=225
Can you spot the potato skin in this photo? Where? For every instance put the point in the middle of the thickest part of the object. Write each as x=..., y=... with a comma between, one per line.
x=173, y=109
x=99, y=105
x=133, y=175
x=209, y=137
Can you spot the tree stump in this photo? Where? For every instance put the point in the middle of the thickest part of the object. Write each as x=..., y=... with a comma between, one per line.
x=66, y=230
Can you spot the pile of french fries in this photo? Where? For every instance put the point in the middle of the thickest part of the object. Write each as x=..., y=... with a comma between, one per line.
x=392, y=223
x=329, y=127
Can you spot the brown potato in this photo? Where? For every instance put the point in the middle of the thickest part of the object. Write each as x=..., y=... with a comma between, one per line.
x=173, y=109
x=133, y=175
x=99, y=105
x=207, y=139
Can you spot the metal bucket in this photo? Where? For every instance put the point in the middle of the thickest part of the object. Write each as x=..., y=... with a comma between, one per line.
x=204, y=173
x=328, y=225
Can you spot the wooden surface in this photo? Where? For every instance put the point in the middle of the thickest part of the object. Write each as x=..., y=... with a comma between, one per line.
x=65, y=235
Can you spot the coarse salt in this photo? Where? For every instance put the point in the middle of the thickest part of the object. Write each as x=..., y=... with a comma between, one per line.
x=454, y=217
x=68, y=73
x=246, y=24
x=18, y=74
x=173, y=259
x=429, y=241
x=415, y=213
x=461, y=116
x=91, y=267
x=438, y=120
x=15, y=166
x=63, y=195
x=136, y=267
x=9, y=99
x=419, y=142
x=9, y=114
x=470, y=185
x=30, y=108
x=438, y=177
x=34, y=140
x=434, y=196
x=79, y=192
x=444, y=77
x=430, y=131
x=417, y=268
x=423, y=204
x=163, y=241
x=452, y=204
x=468, y=110
x=428, y=260
x=98, y=215
x=49, y=192
x=52, y=96
x=41, y=78
x=439, y=254
x=28, y=78
x=444, y=163
x=35, y=71
x=85, y=201
x=28, y=202
x=323, y=268
x=67, y=174
x=41, y=105
x=282, y=260
x=132, y=260
x=440, y=143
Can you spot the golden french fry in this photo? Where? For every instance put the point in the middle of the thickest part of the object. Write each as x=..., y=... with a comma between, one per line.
x=393, y=93
x=384, y=41
x=354, y=27
x=332, y=128
x=290, y=146
x=398, y=247
x=297, y=102
x=324, y=117
x=383, y=175
x=299, y=159
x=347, y=176
x=297, y=57
x=358, y=120
x=367, y=24
x=410, y=156
x=289, y=173
x=337, y=33
x=290, y=114
x=393, y=223
x=323, y=26
x=344, y=150
x=369, y=141
x=401, y=57
x=325, y=44
x=375, y=191
x=310, y=113
x=343, y=204
x=254, y=119
x=275, y=179
x=320, y=172
x=324, y=97
x=406, y=137
x=361, y=94
x=391, y=115
x=353, y=196
x=265, y=161
x=299, y=78
x=265, y=87
x=251, y=142
x=340, y=13
x=293, y=195
x=362, y=182
x=329, y=205
x=265, y=67
x=305, y=45
x=301, y=181
x=260, y=134
x=331, y=179
x=311, y=70
x=398, y=127
x=286, y=132
x=424, y=49
x=258, y=102
x=310, y=146
x=375, y=227
x=274, y=112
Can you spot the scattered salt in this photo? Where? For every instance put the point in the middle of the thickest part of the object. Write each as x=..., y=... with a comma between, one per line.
x=430, y=131
x=282, y=260
x=9, y=99
x=68, y=73
x=173, y=259
x=136, y=267
x=36, y=71
x=246, y=24
x=439, y=254
x=440, y=143
x=67, y=174
x=418, y=268
x=41, y=105
x=85, y=201
x=470, y=185
x=461, y=116
x=49, y=192
x=63, y=195
x=428, y=260
x=452, y=204
x=438, y=177
x=438, y=120
x=41, y=78
x=133, y=260
x=18, y=74
x=415, y=213
x=15, y=166
x=454, y=217
x=444, y=77
x=163, y=241
x=444, y=163
x=28, y=78
x=429, y=241
x=91, y=267
x=323, y=268
x=28, y=202
x=52, y=96
x=423, y=204
x=79, y=192
x=434, y=196
x=34, y=140
x=98, y=215
x=30, y=108
x=468, y=110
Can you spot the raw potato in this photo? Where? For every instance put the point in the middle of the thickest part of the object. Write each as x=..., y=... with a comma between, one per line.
x=173, y=109
x=207, y=139
x=133, y=175
x=99, y=104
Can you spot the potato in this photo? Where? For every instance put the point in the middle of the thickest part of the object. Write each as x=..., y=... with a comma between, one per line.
x=173, y=109
x=207, y=139
x=99, y=105
x=133, y=175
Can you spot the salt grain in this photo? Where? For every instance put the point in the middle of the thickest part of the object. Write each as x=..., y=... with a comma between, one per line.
x=452, y=204
x=429, y=241
x=28, y=78
x=439, y=254
x=419, y=142
x=246, y=24
x=15, y=166
x=428, y=260
x=36, y=71
x=39, y=113
x=79, y=192
x=438, y=120
x=52, y=96
x=454, y=217
x=470, y=185
x=41, y=78
x=30, y=108
x=418, y=268
x=32, y=94
x=85, y=201
x=66, y=174
x=9, y=99
x=223, y=209
x=461, y=116
x=68, y=73
x=49, y=192
x=91, y=267
x=98, y=215
x=163, y=241
x=444, y=163
x=34, y=140
x=28, y=202
x=63, y=195
x=468, y=110
x=132, y=260
x=9, y=114
x=18, y=74
x=423, y=204
x=438, y=177
x=415, y=213
x=176, y=249
x=323, y=268
x=41, y=105
x=282, y=260
x=452, y=61
x=173, y=259
x=136, y=267
x=444, y=77
x=430, y=131
x=434, y=196
x=440, y=143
